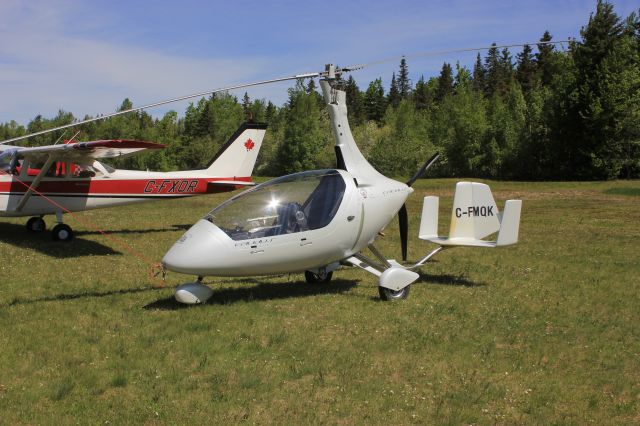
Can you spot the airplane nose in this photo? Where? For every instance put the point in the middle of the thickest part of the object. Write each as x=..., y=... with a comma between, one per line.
x=195, y=251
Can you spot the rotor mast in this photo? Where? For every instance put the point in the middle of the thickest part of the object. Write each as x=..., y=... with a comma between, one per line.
x=348, y=155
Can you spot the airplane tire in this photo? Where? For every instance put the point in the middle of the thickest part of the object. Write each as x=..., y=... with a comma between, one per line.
x=388, y=294
x=36, y=224
x=62, y=232
x=313, y=278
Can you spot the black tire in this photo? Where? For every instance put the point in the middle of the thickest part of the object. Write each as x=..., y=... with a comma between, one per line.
x=388, y=294
x=62, y=232
x=313, y=278
x=36, y=224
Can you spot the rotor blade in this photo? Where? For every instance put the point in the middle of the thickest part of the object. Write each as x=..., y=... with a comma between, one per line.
x=403, y=220
x=423, y=169
x=294, y=77
x=168, y=101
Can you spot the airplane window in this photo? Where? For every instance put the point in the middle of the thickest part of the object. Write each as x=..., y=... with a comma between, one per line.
x=5, y=162
x=81, y=171
x=300, y=202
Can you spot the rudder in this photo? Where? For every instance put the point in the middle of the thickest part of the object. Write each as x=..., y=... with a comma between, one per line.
x=238, y=156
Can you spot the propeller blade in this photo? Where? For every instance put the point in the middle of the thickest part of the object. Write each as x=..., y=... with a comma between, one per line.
x=403, y=219
x=423, y=169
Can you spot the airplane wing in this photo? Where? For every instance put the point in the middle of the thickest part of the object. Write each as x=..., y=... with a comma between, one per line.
x=86, y=152
x=77, y=152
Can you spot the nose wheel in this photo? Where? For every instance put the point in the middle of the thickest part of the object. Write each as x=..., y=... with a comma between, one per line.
x=321, y=277
x=388, y=294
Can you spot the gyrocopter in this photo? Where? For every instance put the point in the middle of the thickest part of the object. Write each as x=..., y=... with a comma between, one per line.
x=316, y=221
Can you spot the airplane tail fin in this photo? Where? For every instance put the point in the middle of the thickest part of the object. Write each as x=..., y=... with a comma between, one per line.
x=474, y=216
x=236, y=158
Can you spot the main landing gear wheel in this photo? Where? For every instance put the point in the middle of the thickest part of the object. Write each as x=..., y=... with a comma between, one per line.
x=62, y=232
x=36, y=224
x=322, y=277
x=388, y=294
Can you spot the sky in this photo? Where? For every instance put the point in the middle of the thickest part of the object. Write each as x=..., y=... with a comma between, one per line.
x=87, y=56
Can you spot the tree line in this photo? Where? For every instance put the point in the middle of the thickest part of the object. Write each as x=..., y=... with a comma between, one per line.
x=552, y=113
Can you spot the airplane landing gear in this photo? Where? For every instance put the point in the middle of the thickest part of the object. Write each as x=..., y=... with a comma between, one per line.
x=62, y=232
x=193, y=293
x=321, y=277
x=388, y=294
x=36, y=224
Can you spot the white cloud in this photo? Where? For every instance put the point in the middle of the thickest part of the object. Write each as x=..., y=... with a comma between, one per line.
x=43, y=69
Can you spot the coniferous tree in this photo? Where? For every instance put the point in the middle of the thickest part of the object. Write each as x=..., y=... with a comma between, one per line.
x=246, y=107
x=394, y=92
x=608, y=94
x=420, y=95
x=544, y=59
x=404, y=84
x=479, y=76
x=492, y=67
x=354, y=102
x=375, y=102
x=505, y=72
x=445, y=82
x=526, y=71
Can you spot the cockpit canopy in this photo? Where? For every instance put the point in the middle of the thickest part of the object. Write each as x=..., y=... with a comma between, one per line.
x=294, y=203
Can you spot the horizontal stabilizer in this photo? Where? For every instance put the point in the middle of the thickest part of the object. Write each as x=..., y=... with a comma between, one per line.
x=474, y=216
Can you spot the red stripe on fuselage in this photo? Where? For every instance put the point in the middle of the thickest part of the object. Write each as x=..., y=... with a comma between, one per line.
x=160, y=186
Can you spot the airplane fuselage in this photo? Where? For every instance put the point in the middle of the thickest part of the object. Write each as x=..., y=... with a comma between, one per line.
x=72, y=193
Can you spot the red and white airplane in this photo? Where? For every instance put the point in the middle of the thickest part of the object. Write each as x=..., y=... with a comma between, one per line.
x=55, y=179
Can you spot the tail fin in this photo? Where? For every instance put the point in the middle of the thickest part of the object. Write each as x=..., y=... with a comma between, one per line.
x=237, y=157
x=474, y=217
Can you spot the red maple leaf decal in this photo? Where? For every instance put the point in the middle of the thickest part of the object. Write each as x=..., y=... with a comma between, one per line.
x=249, y=144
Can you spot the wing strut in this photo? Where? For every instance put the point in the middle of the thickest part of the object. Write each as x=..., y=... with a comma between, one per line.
x=35, y=183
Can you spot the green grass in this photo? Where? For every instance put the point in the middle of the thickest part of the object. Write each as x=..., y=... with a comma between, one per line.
x=542, y=333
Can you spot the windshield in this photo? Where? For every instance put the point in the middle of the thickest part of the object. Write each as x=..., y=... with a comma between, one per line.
x=6, y=158
x=294, y=203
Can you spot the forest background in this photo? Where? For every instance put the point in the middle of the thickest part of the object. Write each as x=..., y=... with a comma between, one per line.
x=559, y=112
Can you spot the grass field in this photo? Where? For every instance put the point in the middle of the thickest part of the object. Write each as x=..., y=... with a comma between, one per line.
x=546, y=332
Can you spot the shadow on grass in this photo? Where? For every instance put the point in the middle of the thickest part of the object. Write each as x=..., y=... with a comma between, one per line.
x=182, y=226
x=82, y=295
x=260, y=292
x=449, y=280
x=172, y=228
x=18, y=236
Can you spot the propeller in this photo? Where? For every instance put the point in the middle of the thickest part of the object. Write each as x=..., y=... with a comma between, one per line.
x=403, y=216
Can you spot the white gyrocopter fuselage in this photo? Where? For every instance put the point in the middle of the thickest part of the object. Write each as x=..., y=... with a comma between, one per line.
x=316, y=221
